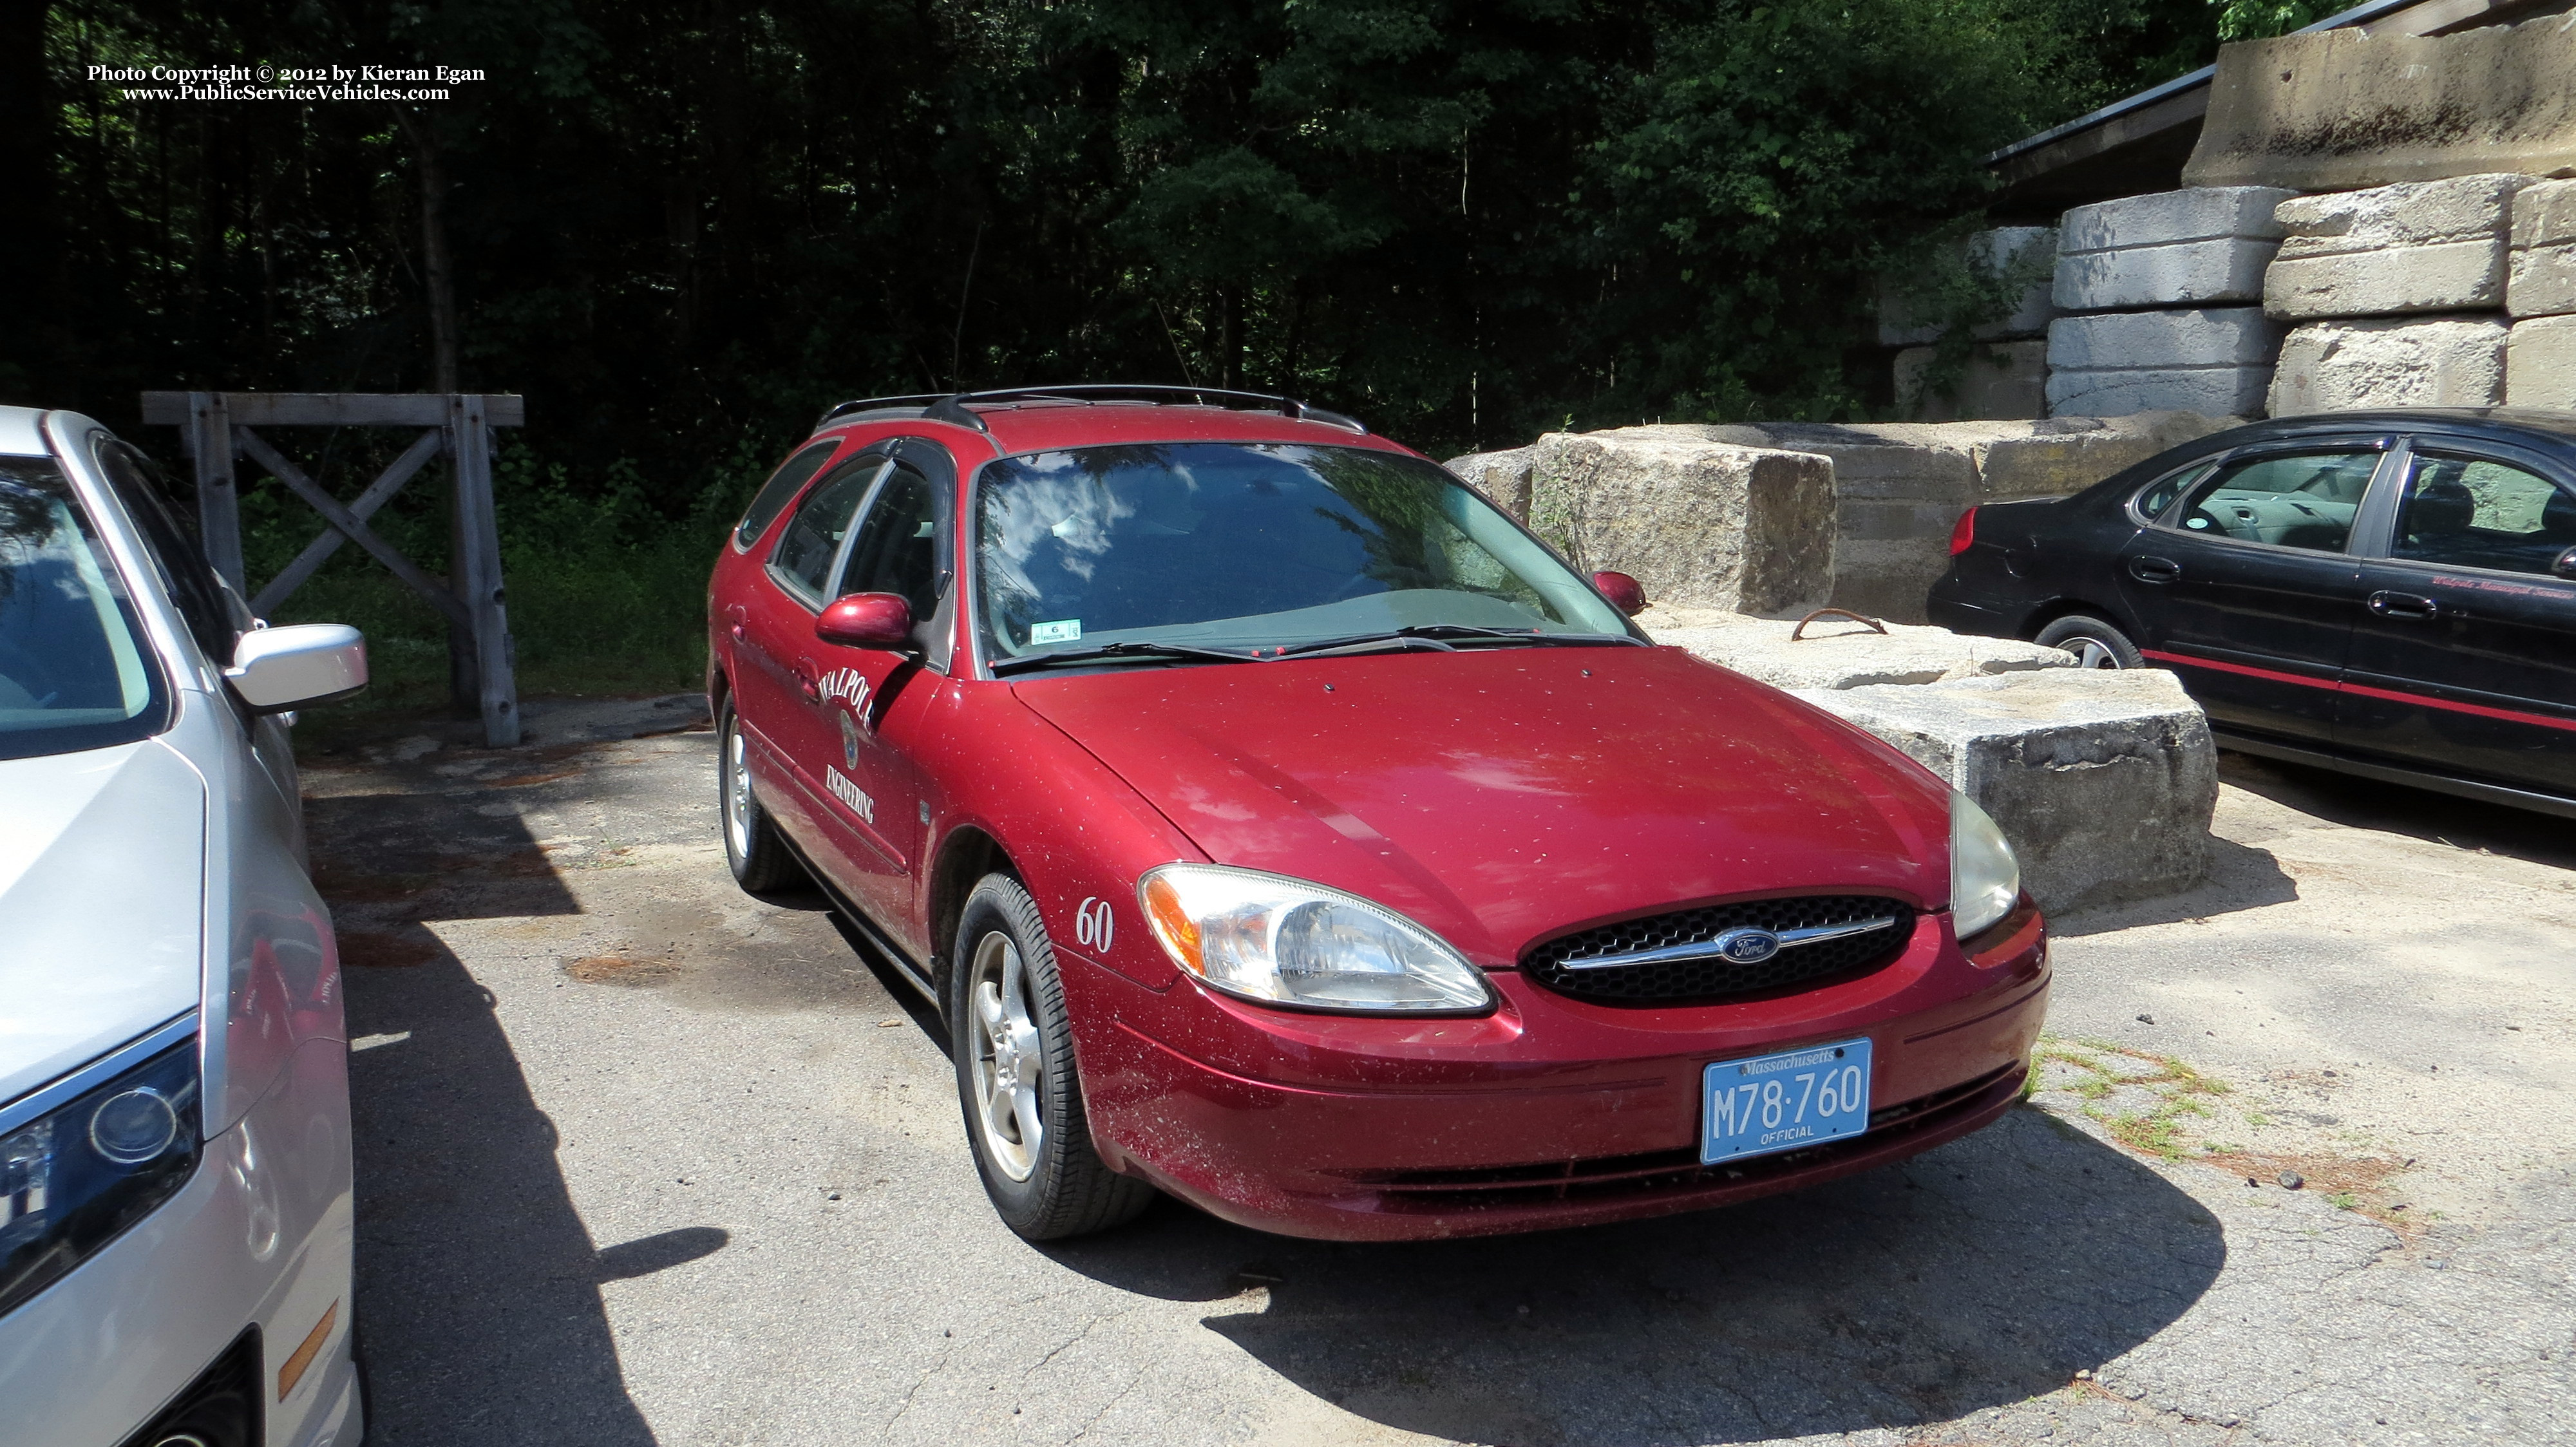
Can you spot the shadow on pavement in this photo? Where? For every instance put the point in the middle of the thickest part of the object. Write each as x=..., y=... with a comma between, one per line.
x=2240, y=877
x=2396, y=809
x=1979, y=1274
x=477, y=1283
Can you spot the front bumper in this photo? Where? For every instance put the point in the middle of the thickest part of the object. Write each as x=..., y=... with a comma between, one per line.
x=260, y=1236
x=1551, y=1113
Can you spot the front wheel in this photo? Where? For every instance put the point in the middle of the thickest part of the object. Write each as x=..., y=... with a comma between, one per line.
x=2094, y=643
x=1015, y=1076
x=759, y=859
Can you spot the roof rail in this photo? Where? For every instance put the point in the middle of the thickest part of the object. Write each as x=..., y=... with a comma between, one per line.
x=952, y=407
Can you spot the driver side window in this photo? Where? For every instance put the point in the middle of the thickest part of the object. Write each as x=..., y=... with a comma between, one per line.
x=812, y=542
x=2291, y=500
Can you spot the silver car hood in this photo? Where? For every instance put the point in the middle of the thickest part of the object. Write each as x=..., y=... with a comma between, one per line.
x=102, y=904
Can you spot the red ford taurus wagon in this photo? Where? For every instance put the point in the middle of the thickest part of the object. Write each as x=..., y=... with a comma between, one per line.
x=1276, y=824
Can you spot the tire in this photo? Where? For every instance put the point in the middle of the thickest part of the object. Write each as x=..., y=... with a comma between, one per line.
x=2094, y=643
x=760, y=860
x=1031, y=1139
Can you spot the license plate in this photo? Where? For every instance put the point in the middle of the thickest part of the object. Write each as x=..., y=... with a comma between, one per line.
x=1783, y=1102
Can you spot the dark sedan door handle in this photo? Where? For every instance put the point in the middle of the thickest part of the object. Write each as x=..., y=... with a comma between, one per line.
x=2404, y=607
x=2154, y=570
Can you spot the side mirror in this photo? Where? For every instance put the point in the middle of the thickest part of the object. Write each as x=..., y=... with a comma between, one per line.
x=1625, y=593
x=298, y=666
x=867, y=620
x=2564, y=565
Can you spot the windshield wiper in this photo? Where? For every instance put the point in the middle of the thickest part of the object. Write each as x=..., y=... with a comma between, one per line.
x=1110, y=652
x=1431, y=634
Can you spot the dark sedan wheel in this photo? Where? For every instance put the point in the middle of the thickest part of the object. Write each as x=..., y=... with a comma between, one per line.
x=759, y=859
x=1015, y=1076
x=2094, y=643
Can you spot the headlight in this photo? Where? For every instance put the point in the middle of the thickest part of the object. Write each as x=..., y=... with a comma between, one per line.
x=1985, y=879
x=1283, y=941
x=72, y=1179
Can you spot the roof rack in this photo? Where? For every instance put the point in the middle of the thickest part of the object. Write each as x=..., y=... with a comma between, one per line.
x=951, y=407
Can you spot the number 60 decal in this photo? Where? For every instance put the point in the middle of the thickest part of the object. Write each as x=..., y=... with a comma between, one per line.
x=1092, y=923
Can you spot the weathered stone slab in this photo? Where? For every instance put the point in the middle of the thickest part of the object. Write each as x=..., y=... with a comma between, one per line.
x=2540, y=363
x=2418, y=246
x=2065, y=455
x=1696, y=522
x=2342, y=109
x=2104, y=781
x=2391, y=362
x=2541, y=273
x=2230, y=336
x=1503, y=477
x=2003, y=381
x=1837, y=653
x=2000, y=253
x=2172, y=248
x=2217, y=391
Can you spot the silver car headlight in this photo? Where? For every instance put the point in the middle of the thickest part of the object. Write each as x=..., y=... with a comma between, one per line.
x=1284, y=941
x=1985, y=879
x=75, y=1177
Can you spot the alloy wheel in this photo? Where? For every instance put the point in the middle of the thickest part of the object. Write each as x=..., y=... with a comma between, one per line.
x=1010, y=1059
x=2091, y=653
x=737, y=793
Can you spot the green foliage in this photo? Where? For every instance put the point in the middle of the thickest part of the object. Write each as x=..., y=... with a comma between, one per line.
x=2262, y=19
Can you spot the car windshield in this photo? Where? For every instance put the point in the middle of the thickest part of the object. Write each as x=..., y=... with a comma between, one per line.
x=74, y=673
x=1235, y=547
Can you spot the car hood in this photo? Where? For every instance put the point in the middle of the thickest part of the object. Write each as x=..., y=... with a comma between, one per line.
x=1501, y=795
x=102, y=904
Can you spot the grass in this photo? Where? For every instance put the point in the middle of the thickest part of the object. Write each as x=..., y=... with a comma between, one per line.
x=2103, y=1068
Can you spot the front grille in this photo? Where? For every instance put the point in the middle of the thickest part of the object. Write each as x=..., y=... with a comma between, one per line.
x=1712, y=978
x=1660, y=1172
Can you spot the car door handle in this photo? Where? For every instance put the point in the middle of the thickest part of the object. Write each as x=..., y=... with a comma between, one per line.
x=2404, y=607
x=2154, y=570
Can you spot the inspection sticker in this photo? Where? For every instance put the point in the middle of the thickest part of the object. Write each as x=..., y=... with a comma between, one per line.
x=1068, y=630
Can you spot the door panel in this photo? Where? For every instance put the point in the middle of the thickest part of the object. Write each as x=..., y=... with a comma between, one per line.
x=2464, y=656
x=2246, y=591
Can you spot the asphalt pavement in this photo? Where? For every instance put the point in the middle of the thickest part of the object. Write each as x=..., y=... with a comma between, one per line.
x=641, y=1160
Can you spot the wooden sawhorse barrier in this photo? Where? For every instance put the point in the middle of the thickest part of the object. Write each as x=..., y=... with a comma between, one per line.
x=215, y=428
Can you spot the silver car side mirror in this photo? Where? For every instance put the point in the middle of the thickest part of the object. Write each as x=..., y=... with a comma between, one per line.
x=298, y=665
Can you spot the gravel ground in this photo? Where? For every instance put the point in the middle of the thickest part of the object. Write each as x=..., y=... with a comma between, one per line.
x=642, y=1160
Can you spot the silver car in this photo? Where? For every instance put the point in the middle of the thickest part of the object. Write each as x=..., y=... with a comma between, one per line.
x=175, y=1219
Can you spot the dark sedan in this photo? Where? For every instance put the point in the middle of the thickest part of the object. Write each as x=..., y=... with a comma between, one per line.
x=2391, y=594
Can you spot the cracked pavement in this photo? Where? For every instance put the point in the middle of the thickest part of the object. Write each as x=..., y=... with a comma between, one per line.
x=642, y=1160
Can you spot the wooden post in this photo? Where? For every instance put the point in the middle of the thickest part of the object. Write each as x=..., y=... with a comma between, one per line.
x=477, y=577
x=210, y=442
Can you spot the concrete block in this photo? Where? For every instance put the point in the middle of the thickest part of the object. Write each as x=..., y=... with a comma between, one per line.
x=1696, y=522
x=2066, y=455
x=2002, y=381
x=1837, y=653
x=2540, y=363
x=2418, y=246
x=1503, y=477
x=2004, y=253
x=2393, y=362
x=2541, y=270
x=2104, y=781
x=2232, y=336
x=2341, y=109
x=2172, y=248
x=2113, y=392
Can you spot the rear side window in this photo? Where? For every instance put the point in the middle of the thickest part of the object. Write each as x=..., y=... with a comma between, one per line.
x=781, y=486
x=2160, y=494
x=2472, y=512
x=812, y=544
x=2291, y=500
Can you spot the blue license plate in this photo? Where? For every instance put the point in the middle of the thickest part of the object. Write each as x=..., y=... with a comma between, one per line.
x=1783, y=1102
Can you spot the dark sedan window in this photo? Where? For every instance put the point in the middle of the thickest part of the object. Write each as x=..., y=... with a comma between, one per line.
x=2293, y=500
x=2471, y=512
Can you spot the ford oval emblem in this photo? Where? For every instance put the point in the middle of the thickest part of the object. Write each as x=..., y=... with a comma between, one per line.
x=1748, y=946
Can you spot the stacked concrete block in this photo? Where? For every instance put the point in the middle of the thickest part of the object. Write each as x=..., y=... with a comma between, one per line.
x=1836, y=653
x=2104, y=782
x=2160, y=292
x=2540, y=363
x=2216, y=361
x=1701, y=523
x=2001, y=381
x=2541, y=269
x=2391, y=362
x=2420, y=246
